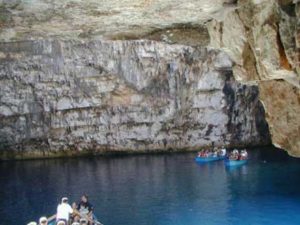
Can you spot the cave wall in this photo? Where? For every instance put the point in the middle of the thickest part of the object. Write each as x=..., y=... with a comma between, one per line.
x=80, y=76
x=76, y=97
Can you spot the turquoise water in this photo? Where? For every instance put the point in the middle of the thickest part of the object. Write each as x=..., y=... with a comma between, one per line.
x=168, y=189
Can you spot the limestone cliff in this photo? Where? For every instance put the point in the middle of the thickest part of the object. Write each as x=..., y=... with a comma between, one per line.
x=84, y=76
x=263, y=39
x=122, y=96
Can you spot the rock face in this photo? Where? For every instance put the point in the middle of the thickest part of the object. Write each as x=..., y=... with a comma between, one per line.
x=106, y=19
x=262, y=37
x=102, y=96
x=146, y=75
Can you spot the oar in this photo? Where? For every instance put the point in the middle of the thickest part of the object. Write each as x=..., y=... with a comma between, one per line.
x=51, y=217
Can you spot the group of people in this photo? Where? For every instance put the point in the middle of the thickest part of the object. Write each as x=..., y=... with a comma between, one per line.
x=77, y=214
x=212, y=153
x=236, y=155
x=81, y=213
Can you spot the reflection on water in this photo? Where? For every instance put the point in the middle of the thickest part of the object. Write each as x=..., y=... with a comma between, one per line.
x=157, y=189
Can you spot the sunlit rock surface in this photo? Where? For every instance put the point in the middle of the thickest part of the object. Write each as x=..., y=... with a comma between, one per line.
x=262, y=37
x=137, y=75
x=112, y=19
x=283, y=112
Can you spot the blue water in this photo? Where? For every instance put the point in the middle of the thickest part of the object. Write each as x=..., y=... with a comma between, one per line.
x=168, y=189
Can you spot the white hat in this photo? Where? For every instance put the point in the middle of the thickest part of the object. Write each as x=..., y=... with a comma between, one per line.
x=43, y=219
x=32, y=223
x=61, y=222
x=75, y=223
x=64, y=199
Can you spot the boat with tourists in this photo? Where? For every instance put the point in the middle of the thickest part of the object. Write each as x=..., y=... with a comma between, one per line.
x=211, y=155
x=77, y=214
x=52, y=221
x=237, y=158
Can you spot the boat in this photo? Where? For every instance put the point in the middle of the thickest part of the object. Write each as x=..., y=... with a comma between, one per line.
x=52, y=221
x=229, y=162
x=209, y=159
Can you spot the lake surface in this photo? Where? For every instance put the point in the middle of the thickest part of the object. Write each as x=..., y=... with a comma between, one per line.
x=168, y=189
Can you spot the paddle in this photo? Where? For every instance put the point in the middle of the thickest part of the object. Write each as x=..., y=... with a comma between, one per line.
x=51, y=217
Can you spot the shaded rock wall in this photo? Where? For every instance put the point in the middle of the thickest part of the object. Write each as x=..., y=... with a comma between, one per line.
x=72, y=97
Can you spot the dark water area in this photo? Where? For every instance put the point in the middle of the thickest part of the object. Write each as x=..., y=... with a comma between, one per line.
x=167, y=189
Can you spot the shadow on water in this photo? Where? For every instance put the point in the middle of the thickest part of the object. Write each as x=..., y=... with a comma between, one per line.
x=157, y=189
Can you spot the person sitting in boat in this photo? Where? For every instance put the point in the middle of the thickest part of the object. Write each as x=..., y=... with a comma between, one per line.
x=63, y=211
x=43, y=221
x=243, y=155
x=32, y=223
x=201, y=153
x=215, y=154
x=209, y=153
x=85, y=208
x=234, y=155
x=61, y=222
x=75, y=215
x=223, y=151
